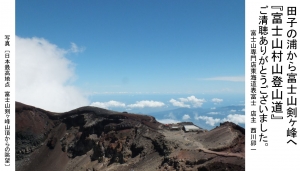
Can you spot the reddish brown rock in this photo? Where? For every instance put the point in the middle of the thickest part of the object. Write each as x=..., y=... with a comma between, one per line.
x=90, y=138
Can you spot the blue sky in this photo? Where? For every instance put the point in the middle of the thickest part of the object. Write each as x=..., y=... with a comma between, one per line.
x=129, y=51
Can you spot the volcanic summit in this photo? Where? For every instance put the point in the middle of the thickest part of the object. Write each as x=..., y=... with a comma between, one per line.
x=94, y=139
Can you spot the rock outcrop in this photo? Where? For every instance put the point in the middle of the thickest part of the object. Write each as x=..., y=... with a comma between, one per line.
x=91, y=138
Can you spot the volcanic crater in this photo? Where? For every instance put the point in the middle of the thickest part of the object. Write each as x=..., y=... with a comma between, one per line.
x=94, y=139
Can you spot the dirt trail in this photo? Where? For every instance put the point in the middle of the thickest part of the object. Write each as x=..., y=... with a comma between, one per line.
x=200, y=147
x=222, y=153
x=226, y=154
x=183, y=139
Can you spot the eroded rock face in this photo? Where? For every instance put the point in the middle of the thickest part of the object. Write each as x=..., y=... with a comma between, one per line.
x=90, y=138
x=116, y=139
x=32, y=129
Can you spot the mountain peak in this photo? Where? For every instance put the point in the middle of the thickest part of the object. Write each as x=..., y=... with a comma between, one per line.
x=91, y=138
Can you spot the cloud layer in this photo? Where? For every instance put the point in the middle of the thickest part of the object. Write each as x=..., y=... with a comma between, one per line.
x=178, y=103
x=208, y=120
x=109, y=104
x=186, y=117
x=191, y=100
x=168, y=121
x=44, y=76
x=213, y=113
x=138, y=104
x=146, y=103
x=235, y=118
x=216, y=100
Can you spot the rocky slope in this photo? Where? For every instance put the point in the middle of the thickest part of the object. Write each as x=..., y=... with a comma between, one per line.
x=94, y=139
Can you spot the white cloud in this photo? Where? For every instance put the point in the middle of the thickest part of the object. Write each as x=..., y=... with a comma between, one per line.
x=213, y=113
x=232, y=111
x=75, y=49
x=44, y=76
x=186, y=117
x=235, y=118
x=178, y=103
x=146, y=103
x=234, y=79
x=208, y=120
x=138, y=104
x=108, y=105
x=243, y=110
x=167, y=121
x=213, y=108
x=123, y=92
x=192, y=100
x=216, y=100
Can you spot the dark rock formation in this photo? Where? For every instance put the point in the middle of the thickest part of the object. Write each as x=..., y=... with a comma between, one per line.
x=90, y=138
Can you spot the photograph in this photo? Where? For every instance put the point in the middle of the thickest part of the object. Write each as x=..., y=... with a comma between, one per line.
x=130, y=85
